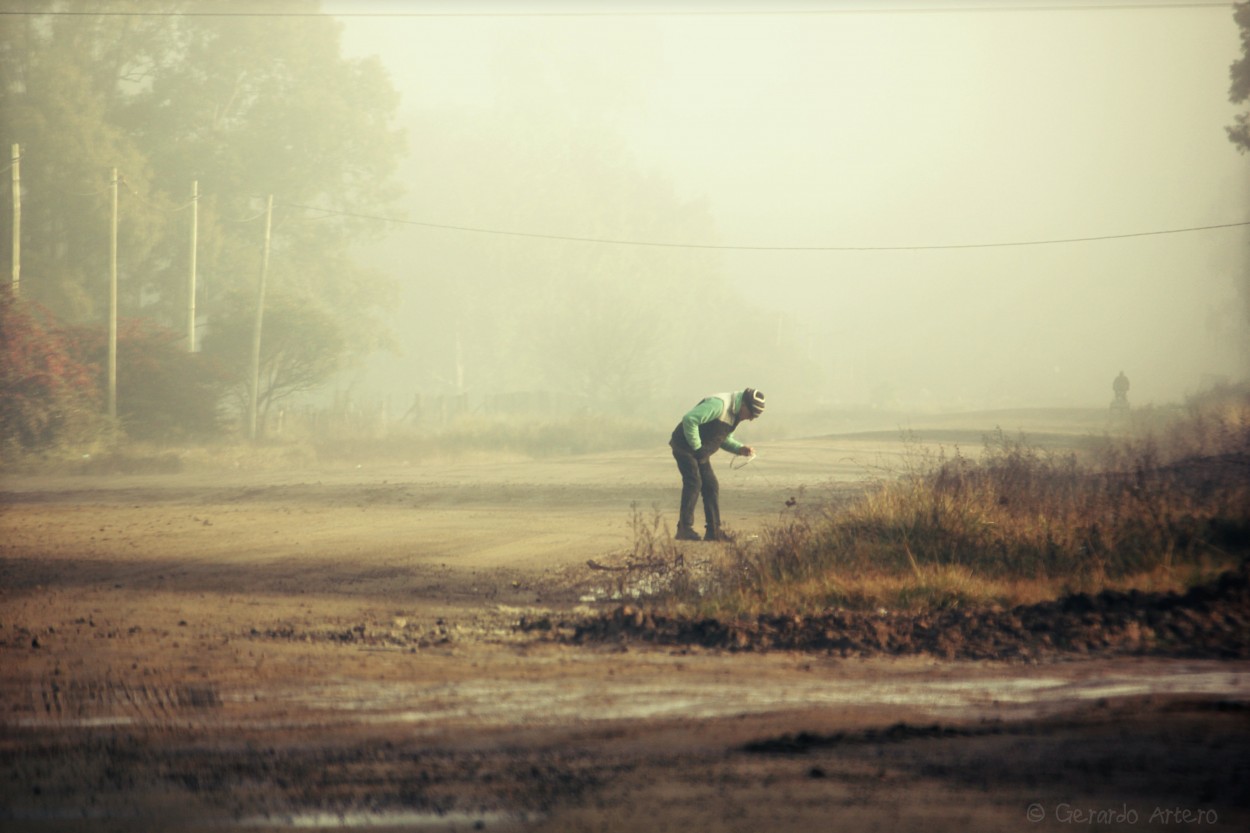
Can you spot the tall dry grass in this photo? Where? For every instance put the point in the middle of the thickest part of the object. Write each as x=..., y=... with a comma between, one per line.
x=1158, y=507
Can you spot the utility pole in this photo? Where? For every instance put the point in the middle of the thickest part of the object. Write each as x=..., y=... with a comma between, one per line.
x=112, y=360
x=195, y=230
x=260, y=315
x=17, y=218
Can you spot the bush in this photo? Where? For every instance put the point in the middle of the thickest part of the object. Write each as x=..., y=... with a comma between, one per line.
x=951, y=530
x=164, y=393
x=48, y=397
x=302, y=345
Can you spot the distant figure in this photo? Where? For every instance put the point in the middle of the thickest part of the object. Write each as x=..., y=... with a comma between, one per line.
x=1120, y=388
x=705, y=429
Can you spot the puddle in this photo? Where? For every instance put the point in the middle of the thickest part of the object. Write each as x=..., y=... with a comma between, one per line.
x=549, y=703
x=449, y=822
x=700, y=692
x=405, y=819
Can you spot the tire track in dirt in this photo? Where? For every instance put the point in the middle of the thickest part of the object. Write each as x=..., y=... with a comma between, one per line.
x=55, y=701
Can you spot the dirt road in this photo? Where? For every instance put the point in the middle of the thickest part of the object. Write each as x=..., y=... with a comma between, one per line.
x=337, y=649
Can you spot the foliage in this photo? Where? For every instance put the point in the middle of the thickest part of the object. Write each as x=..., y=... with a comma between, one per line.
x=245, y=104
x=1239, y=133
x=163, y=392
x=47, y=396
x=1239, y=91
x=953, y=529
x=301, y=346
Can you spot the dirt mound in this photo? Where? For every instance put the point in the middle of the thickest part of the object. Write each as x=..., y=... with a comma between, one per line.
x=1208, y=621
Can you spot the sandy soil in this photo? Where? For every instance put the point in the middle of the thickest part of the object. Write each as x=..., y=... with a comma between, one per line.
x=338, y=649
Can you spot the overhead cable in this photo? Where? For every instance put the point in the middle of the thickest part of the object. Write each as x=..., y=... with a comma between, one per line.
x=732, y=247
x=874, y=9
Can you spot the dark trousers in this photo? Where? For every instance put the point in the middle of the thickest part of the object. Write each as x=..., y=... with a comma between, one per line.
x=697, y=478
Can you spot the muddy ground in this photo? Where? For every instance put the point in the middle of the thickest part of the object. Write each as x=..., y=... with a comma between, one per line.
x=341, y=648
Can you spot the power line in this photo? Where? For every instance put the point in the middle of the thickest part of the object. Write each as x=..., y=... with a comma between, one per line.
x=666, y=245
x=874, y=9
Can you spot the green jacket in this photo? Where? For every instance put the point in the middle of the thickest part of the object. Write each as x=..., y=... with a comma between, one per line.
x=721, y=408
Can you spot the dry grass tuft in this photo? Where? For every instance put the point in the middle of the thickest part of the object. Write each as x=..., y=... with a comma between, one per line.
x=1159, y=508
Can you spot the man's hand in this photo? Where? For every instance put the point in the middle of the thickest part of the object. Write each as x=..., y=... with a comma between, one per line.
x=746, y=451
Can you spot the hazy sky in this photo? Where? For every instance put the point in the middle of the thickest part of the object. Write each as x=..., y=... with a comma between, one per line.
x=863, y=162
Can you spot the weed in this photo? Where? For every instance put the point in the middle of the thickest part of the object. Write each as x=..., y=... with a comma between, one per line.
x=656, y=567
x=1162, y=507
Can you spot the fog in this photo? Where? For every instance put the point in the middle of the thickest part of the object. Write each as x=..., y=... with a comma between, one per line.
x=914, y=206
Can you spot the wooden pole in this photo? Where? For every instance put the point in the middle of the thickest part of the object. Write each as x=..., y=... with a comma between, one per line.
x=112, y=351
x=195, y=230
x=17, y=218
x=260, y=315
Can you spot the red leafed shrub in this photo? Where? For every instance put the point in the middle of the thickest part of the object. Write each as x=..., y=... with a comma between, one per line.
x=47, y=395
x=163, y=392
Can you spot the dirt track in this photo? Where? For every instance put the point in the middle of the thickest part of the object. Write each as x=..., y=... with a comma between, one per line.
x=337, y=649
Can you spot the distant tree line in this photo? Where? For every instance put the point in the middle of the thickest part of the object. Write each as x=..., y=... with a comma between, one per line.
x=247, y=106
x=237, y=105
x=1239, y=93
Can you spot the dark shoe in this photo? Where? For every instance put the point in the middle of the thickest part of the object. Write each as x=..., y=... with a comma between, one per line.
x=687, y=534
x=717, y=535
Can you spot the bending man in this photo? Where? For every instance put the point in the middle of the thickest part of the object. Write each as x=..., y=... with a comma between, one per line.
x=704, y=430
